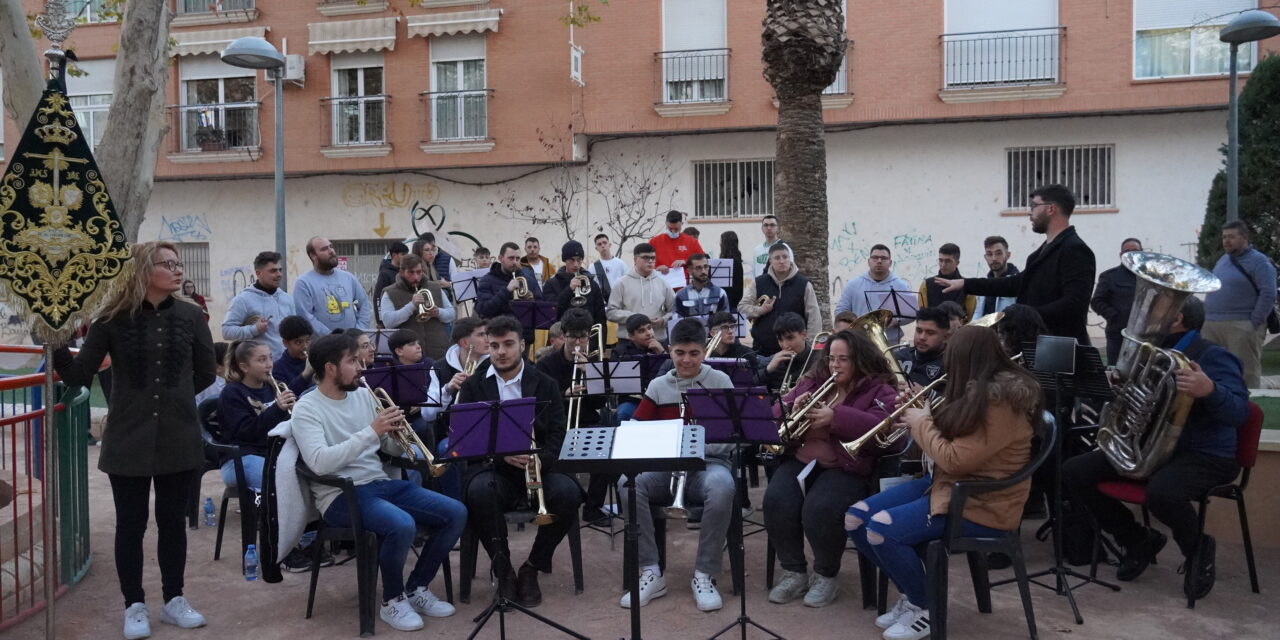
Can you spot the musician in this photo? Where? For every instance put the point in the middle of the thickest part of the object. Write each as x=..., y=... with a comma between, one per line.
x=713, y=487
x=843, y=320
x=501, y=488
x=922, y=363
x=955, y=315
x=470, y=349
x=292, y=367
x=366, y=351
x=387, y=273
x=328, y=297
x=496, y=289
x=785, y=368
x=425, y=247
x=162, y=353
x=861, y=397
x=640, y=339
x=400, y=306
x=930, y=292
x=784, y=289
x=1205, y=457
x=561, y=288
x=642, y=291
x=339, y=430
x=726, y=324
x=405, y=347
x=263, y=302
x=982, y=431
x=481, y=258
x=701, y=297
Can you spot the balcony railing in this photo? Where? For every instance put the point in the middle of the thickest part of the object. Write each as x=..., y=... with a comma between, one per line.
x=213, y=6
x=1018, y=57
x=356, y=120
x=215, y=127
x=698, y=75
x=455, y=115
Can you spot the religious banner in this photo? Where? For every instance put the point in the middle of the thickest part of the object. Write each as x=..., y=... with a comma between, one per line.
x=62, y=249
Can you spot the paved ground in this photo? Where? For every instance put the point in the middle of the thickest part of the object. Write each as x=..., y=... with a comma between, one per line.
x=1148, y=609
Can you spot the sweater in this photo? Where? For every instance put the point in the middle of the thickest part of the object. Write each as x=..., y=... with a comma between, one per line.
x=246, y=415
x=1237, y=299
x=648, y=295
x=335, y=300
x=857, y=414
x=336, y=437
x=288, y=369
x=663, y=396
x=253, y=301
x=669, y=249
x=855, y=298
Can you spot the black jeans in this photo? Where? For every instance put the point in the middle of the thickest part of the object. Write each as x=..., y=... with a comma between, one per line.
x=1170, y=491
x=818, y=515
x=132, y=495
x=563, y=496
x=1114, y=342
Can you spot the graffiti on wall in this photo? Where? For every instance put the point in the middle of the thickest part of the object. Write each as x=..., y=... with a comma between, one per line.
x=388, y=194
x=192, y=228
x=914, y=256
x=234, y=279
x=386, y=201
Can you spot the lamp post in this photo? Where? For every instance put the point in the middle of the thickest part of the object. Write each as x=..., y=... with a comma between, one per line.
x=252, y=52
x=1249, y=26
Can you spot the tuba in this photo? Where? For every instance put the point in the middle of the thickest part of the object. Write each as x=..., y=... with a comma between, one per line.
x=873, y=325
x=1140, y=427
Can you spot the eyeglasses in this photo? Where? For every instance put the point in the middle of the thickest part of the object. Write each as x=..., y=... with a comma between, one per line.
x=725, y=327
x=172, y=265
x=577, y=337
x=1038, y=204
x=648, y=258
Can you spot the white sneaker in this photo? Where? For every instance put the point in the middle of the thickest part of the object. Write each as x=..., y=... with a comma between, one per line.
x=912, y=625
x=426, y=603
x=400, y=615
x=137, y=621
x=705, y=593
x=178, y=612
x=822, y=591
x=791, y=586
x=891, y=616
x=652, y=586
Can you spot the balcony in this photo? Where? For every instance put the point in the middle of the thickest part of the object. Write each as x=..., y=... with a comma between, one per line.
x=692, y=83
x=1017, y=64
x=357, y=126
x=350, y=7
x=456, y=121
x=191, y=13
x=226, y=132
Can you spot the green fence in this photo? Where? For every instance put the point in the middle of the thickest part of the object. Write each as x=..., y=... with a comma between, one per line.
x=72, y=429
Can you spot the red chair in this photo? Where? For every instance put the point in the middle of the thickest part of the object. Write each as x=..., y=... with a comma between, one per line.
x=1135, y=492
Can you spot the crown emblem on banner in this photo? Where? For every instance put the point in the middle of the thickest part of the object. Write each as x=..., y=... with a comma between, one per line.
x=55, y=133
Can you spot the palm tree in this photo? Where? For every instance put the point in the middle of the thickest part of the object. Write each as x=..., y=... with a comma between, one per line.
x=804, y=43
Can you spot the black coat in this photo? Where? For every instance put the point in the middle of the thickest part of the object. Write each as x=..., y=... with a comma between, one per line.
x=549, y=421
x=1113, y=298
x=557, y=290
x=492, y=297
x=1057, y=281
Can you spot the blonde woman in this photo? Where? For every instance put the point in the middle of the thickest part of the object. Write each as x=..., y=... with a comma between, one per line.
x=162, y=354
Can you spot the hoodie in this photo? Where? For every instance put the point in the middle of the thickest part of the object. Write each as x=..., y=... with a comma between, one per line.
x=253, y=301
x=803, y=302
x=492, y=297
x=557, y=290
x=663, y=397
x=855, y=298
x=634, y=293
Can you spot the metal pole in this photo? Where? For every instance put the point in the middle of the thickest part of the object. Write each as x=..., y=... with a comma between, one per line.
x=48, y=502
x=1233, y=145
x=277, y=74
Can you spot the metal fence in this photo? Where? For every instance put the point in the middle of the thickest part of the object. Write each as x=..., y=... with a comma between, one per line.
x=695, y=75
x=214, y=127
x=214, y=6
x=355, y=120
x=455, y=115
x=1019, y=57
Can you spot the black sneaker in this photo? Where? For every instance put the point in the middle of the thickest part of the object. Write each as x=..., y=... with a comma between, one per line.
x=326, y=558
x=297, y=561
x=595, y=515
x=1198, y=581
x=1139, y=555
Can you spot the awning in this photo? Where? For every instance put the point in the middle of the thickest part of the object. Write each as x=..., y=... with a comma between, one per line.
x=443, y=24
x=377, y=34
x=195, y=43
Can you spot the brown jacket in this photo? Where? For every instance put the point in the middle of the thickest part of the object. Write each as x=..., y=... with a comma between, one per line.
x=997, y=450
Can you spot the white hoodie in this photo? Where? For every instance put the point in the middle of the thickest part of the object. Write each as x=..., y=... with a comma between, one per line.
x=634, y=293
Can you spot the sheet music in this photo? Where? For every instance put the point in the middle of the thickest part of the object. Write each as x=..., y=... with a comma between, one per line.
x=648, y=439
x=624, y=377
x=675, y=278
x=464, y=284
x=903, y=304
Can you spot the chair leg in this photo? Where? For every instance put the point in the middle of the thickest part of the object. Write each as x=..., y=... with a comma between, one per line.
x=222, y=522
x=575, y=555
x=1024, y=588
x=446, y=568
x=1146, y=522
x=315, y=571
x=866, y=579
x=981, y=580
x=367, y=577
x=770, y=559
x=1248, y=543
x=467, y=564
x=1195, y=555
x=882, y=593
x=936, y=563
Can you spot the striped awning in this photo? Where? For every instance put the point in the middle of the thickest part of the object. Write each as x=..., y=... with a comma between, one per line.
x=196, y=43
x=377, y=34
x=444, y=24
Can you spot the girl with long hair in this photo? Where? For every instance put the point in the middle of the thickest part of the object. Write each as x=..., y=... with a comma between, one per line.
x=729, y=251
x=162, y=354
x=863, y=395
x=983, y=431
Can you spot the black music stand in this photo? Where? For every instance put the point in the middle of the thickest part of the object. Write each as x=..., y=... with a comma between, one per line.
x=741, y=371
x=1055, y=361
x=534, y=314
x=740, y=417
x=904, y=304
x=489, y=431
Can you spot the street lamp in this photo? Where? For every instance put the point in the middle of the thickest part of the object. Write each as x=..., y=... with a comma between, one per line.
x=1249, y=26
x=252, y=52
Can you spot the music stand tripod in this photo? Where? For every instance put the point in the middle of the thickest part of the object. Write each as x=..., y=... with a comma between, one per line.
x=489, y=431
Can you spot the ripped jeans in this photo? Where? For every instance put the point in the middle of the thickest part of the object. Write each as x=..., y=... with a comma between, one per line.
x=887, y=526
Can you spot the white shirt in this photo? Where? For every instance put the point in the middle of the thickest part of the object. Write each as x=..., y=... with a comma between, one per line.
x=509, y=389
x=760, y=257
x=614, y=268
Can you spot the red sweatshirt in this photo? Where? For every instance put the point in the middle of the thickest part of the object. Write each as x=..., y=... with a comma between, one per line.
x=670, y=250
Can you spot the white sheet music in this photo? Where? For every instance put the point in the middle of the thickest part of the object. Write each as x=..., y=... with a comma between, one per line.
x=464, y=284
x=648, y=439
x=675, y=278
x=721, y=271
x=624, y=377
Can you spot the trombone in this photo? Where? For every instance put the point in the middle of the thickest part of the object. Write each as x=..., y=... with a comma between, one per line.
x=714, y=342
x=427, y=306
x=403, y=434
x=579, y=375
x=888, y=432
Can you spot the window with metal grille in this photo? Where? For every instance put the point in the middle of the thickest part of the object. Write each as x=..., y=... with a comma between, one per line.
x=732, y=188
x=195, y=260
x=363, y=258
x=1088, y=170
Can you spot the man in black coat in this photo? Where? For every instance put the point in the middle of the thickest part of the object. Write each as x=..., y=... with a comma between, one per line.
x=560, y=287
x=1113, y=298
x=1058, y=278
x=496, y=289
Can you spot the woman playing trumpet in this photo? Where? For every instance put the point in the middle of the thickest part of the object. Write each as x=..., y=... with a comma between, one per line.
x=859, y=395
x=983, y=430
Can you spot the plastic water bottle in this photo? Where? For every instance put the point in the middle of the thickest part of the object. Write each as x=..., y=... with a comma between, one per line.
x=209, y=519
x=251, y=563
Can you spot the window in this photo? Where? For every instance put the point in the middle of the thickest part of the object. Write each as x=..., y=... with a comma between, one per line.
x=998, y=43
x=732, y=188
x=1178, y=38
x=358, y=106
x=100, y=11
x=840, y=85
x=213, y=6
x=90, y=96
x=363, y=259
x=195, y=260
x=694, y=59
x=1087, y=170
x=219, y=110
x=91, y=112
x=459, y=100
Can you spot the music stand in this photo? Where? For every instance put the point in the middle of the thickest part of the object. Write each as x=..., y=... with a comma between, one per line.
x=721, y=272
x=464, y=286
x=740, y=370
x=903, y=304
x=534, y=314
x=739, y=417
x=405, y=383
x=489, y=431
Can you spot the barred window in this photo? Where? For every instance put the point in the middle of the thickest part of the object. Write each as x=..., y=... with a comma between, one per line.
x=363, y=258
x=195, y=260
x=732, y=188
x=1088, y=170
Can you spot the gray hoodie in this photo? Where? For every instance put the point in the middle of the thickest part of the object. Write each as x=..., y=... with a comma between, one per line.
x=854, y=298
x=634, y=294
x=252, y=301
x=668, y=389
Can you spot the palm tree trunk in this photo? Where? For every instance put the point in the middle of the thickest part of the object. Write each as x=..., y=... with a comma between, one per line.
x=800, y=190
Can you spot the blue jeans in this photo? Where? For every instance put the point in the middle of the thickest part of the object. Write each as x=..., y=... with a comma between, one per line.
x=252, y=472
x=887, y=526
x=392, y=509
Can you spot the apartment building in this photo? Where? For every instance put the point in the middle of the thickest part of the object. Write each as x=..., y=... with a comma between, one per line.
x=472, y=118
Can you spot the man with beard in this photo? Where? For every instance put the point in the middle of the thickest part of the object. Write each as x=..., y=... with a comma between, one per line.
x=1113, y=299
x=1058, y=278
x=496, y=289
x=400, y=303
x=997, y=256
x=256, y=312
x=561, y=287
x=931, y=294
x=923, y=361
x=701, y=297
x=330, y=298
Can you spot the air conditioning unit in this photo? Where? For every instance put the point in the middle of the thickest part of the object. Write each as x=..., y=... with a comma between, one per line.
x=295, y=69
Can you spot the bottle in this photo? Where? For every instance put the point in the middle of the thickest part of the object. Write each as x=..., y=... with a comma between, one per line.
x=251, y=563
x=209, y=519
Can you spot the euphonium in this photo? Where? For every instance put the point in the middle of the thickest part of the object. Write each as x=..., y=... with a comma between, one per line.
x=522, y=289
x=1141, y=426
x=428, y=304
x=794, y=425
x=888, y=432
x=280, y=388
x=872, y=325
x=533, y=483
x=403, y=434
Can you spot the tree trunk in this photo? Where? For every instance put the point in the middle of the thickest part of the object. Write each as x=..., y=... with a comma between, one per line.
x=21, y=65
x=800, y=190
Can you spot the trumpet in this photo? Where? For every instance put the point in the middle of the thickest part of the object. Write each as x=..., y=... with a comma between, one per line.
x=522, y=289
x=403, y=435
x=533, y=483
x=794, y=425
x=427, y=306
x=281, y=388
x=470, y=367
x=678, y=480
x=887, y=432
x=714, y=342
x=763, y=300
x=580, y=292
